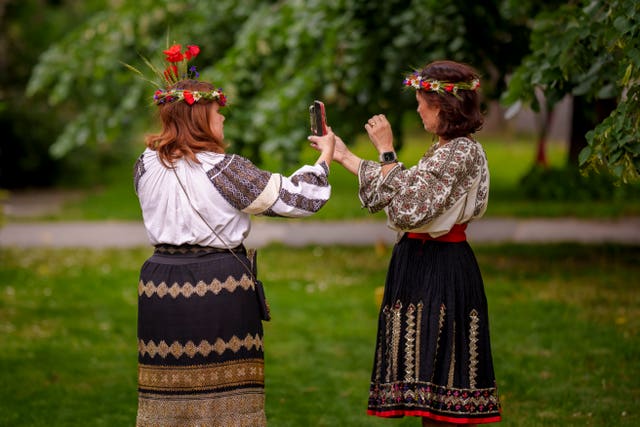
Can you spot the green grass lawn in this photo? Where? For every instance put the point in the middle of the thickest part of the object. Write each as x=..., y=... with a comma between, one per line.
x=565, y=321
x=510, y=157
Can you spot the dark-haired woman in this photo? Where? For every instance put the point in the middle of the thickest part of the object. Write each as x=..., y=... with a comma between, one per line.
x=433, y=355
x=200, y=310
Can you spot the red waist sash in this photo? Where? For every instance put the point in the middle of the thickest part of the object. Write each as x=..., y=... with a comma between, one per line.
x=456, y=234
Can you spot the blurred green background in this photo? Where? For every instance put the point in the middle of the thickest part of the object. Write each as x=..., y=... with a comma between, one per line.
x=552, y=72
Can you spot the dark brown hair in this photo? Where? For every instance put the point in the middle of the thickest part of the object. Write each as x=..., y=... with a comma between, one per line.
x=186, y=129
x=461, y=115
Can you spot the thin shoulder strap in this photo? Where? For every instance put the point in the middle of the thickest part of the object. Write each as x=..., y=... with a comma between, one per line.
x=173, y=168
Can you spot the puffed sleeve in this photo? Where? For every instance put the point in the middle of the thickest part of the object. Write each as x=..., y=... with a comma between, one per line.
x=258, y=192
x=416, y=196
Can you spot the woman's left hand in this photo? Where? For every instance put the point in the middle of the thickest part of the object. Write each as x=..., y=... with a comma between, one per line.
x=325, y=145
x=380, y=133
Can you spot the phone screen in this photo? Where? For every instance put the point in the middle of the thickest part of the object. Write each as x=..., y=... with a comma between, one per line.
x=318, y=118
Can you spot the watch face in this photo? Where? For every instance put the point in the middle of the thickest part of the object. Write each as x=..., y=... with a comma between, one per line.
x=388, y=156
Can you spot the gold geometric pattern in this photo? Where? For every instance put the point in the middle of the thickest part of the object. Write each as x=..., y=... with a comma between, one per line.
x=395, y=338
x=201, y=377
x=387, y=340
x=163, y=349
x=200, y=289
x=418, y=333
x=410, y=340
x=473, y=348
x=235, y=408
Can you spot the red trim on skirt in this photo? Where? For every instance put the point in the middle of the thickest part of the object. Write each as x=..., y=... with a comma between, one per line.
x=456, y=234
x=421, y=413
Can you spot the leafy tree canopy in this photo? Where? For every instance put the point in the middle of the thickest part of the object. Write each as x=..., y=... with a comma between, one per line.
x=590, y=48
x=273, y=59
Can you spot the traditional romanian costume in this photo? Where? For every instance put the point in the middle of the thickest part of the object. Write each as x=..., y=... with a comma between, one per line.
x=433, y=354
x=200, y=336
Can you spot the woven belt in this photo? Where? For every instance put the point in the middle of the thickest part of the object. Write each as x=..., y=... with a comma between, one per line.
x=194, y=249
x=456, y=234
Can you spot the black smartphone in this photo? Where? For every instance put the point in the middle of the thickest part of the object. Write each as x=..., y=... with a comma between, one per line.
x=318, y=118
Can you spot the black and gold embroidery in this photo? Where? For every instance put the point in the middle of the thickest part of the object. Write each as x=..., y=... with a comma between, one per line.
x=396, y=328
x=204, y=348
x=223, y=408
x=200, y=377
x=418, y=334
x=454, y=401
x=187, y=290
x=410, y=341
x=387, y=339
x=473, y=347
x=452, y=363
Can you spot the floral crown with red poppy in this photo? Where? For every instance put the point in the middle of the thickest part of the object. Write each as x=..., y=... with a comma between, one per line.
x=418, y=82
x=175, y=70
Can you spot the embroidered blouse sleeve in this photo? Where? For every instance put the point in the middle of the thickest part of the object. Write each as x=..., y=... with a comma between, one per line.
x=255, y=191
x=416, y=196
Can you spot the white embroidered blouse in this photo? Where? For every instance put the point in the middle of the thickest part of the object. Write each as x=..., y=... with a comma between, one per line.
x=449, y=185
x=225, y=189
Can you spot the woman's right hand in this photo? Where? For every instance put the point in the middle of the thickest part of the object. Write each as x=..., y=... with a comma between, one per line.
x=380, y=133
x=325, y=144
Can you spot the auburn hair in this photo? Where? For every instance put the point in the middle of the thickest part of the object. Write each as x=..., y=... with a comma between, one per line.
x=186, y=129
x=461, y=115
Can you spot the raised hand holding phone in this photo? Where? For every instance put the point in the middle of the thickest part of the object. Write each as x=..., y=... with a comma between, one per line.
x=322, y=138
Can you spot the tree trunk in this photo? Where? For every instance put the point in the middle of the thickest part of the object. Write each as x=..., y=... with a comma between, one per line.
x=586, y=116
x=541, y=151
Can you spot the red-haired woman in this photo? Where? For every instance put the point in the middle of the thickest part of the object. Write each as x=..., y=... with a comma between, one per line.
x=200, y=305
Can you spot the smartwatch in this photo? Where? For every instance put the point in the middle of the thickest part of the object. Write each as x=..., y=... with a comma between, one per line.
x=388, y=157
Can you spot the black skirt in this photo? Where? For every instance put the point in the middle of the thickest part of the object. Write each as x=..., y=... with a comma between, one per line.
x=433, y=353
x=200, y=348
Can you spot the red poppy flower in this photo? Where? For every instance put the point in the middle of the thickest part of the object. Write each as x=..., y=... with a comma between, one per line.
x=222, y=100
x=426, y=85
x=191, y=52
x=188, y=97
x=449, y=87
x=173, y=53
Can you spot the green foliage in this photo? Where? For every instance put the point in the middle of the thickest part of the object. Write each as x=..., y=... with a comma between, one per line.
x=568, y=184
x=28, y=124
x=589, y=48
x=273, y=59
